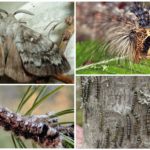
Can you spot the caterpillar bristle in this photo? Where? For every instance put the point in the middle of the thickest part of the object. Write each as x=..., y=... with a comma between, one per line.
x=126, y=33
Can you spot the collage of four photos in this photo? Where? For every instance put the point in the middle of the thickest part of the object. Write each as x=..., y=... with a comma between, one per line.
x=75, y=74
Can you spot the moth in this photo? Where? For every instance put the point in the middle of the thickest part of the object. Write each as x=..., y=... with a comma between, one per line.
x=41, y=129
x=128, y=33
x=26, y=54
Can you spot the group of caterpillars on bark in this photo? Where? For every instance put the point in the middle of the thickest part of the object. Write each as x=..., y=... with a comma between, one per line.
x=131, y=128
x=126, y=129
x=86, y=87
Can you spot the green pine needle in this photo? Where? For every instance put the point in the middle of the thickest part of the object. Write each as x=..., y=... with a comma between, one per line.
x=42, y=100
x=60, y=113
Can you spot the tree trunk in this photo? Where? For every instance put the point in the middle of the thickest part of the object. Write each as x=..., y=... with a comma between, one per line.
x=116, y=112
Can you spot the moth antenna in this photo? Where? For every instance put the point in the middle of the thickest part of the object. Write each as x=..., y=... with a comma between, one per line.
x=23, y=11
x=50, y=24
x=3, y=11
x=53, y=28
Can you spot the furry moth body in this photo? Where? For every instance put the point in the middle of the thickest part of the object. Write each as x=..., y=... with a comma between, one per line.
x=43, y=133
x=127, y=37
x=25, y=53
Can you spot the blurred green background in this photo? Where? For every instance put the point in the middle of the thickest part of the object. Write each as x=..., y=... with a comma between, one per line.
x=10, y=96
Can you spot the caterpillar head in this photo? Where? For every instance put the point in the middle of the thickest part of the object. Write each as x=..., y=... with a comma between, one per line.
x=143, y=31
x=130, y=35
x=142, y=44
x=146, y=42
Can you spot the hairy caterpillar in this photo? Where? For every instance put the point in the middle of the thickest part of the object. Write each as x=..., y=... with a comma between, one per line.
x=148, y=121
x=82, y=89
x=128, y=119
x=107, y=138
x=36, y=128
x=143, y=98
x=139, y=140
x=121, y=136
x=97, y=87
x=85, y=92
x=101, y=124
x=134, y=102
x=86, y=87
x=27, y=54
x=136, y=124
x=127, y=36
x=116, y=134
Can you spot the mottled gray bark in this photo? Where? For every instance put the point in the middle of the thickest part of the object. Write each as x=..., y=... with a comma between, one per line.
x=116, y=112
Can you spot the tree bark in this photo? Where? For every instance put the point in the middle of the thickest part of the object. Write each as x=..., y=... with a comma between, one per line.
x=116, y=112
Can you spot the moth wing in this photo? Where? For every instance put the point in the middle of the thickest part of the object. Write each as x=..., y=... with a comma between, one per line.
x=39, y=55
x=13, y=67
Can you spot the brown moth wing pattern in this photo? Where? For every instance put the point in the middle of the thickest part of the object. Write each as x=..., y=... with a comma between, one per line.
x=39, y=55
x=14, y=68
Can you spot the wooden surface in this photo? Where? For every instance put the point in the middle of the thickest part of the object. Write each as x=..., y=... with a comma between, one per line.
x=109, y=117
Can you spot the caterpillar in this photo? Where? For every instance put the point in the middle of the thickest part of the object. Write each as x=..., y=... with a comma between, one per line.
x=85, y=92
x=101, y=124
x=117, y=132
x=43, y=133
x=85, y=88
x=128, y=33
x=148, y=121
x=121, y=137
x=107, y=138
x=139, y=140
x=143, y=98
x=27, y=54
x=89, y=82
x=134, y=102
x=128, y=119
x=136, y=124
x=136, y=129
x=97, y=87
x=82, y=89
x=136, y=117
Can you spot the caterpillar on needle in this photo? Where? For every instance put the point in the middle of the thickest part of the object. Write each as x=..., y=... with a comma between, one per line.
x=44, y=133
